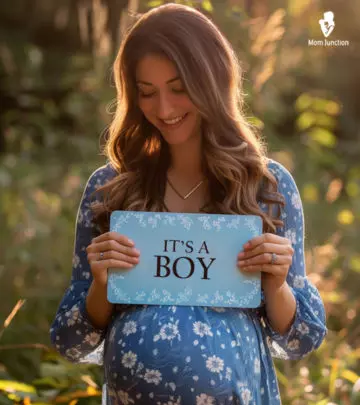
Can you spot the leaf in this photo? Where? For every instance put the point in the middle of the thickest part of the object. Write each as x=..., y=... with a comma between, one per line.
x=306, y=120
x=206, y=5
x=333, y=376
x=350, y=376
x=295, y=7
x=323, y=136
x=154, y=3
x=355, y=263
x=345, y=217
x=54, y=370
x=303, y=102
x=310, y=192
x=8, y=385
x=324, y=401
x=282, y=378
x=352, y=188
x=256, y=122
x=50, y=382
x=324, y=105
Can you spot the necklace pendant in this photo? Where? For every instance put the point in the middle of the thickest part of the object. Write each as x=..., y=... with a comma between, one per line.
x=189, y=193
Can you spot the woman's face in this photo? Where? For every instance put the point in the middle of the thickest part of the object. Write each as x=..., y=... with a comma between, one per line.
x=164, y=101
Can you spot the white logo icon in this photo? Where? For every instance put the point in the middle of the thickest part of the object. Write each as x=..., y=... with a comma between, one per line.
x=327, y=23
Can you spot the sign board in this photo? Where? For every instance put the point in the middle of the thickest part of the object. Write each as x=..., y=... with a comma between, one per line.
x=185, y=259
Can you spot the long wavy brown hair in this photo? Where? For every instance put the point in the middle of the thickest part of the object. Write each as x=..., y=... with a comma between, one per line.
x=234, y=155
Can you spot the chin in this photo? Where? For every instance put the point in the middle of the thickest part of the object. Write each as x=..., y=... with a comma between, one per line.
x=174, y=140
x=177, y=139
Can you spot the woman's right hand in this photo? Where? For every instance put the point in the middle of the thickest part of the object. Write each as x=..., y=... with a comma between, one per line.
x=119, y=252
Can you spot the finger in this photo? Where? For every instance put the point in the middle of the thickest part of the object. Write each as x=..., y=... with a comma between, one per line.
x=266, y=248
x=113, y=254
x=263, y=259
x=271, y=269
x=113, y=263
x=113, y=245
x=266, y=237
x=107, y=236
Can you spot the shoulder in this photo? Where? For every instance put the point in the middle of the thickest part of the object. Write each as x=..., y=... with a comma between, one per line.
x=100, y=176
x=283, y=176
x=286, y=186
x=278, y=170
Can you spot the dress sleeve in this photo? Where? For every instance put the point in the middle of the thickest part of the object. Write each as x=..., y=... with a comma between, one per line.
x=72, y=332
x=308, y=328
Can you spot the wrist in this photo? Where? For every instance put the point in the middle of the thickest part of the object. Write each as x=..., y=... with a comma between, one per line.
x=98, y=292
x=273, y=288
x=98, y=285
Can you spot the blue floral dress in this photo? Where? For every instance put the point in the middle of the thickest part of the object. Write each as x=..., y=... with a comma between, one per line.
x=167, y=355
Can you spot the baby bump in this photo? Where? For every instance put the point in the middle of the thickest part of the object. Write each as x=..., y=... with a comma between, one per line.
x=171, y=350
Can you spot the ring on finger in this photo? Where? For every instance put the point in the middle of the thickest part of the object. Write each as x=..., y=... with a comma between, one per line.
x=273, y=258
x=101, y=256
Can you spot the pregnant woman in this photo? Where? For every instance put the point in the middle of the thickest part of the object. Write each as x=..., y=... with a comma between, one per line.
x=179, y=142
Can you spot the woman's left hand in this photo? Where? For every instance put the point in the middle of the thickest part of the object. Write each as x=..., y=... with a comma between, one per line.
x=257, y=256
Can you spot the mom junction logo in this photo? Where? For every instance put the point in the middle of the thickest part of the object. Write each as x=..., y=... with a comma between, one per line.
x=327, y=26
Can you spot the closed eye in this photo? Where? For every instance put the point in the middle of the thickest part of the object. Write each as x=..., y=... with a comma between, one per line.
x=144, y=95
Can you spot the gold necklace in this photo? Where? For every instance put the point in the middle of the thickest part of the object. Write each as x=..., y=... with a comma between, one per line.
x=189, y=193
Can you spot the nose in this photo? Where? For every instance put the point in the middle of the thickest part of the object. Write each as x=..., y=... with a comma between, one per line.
x=164, y=107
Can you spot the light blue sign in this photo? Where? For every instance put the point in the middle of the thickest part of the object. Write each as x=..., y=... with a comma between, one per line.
x=185, y=259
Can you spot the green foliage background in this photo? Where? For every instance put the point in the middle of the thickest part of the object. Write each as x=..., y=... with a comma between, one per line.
x=56, y=100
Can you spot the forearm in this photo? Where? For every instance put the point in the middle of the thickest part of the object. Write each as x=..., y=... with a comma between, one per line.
x=99, y=309
x=280, y=305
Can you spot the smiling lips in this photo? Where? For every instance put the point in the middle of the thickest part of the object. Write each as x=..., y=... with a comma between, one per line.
x=174, y=122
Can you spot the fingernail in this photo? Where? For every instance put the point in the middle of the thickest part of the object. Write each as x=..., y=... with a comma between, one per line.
x=246, y=245
x=242, y=254
x=131, y=241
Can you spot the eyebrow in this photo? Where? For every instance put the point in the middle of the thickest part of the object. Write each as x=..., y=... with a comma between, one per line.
x=150, y=84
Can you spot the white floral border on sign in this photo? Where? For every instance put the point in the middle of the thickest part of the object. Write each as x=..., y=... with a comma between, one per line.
x=227, y=298
x=155, y=220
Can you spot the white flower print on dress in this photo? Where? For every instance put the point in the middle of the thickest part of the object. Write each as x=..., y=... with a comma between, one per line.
x=85, y=274
x=73, y=315
x=291, y=235
x=299, y=282
x=168, y=331
x=303, y=328
x=129, y=328
x=92, y=338
x=246, y=396
x=257, y=366
x=76, y=260
x=295, y=201
x=73, y=353
x=129, y=359
x=80, y=217
x=124, y=398
x=152, y=376
x=202, y=329
x=215, y=364
x=204, y=399
x=293, y=344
